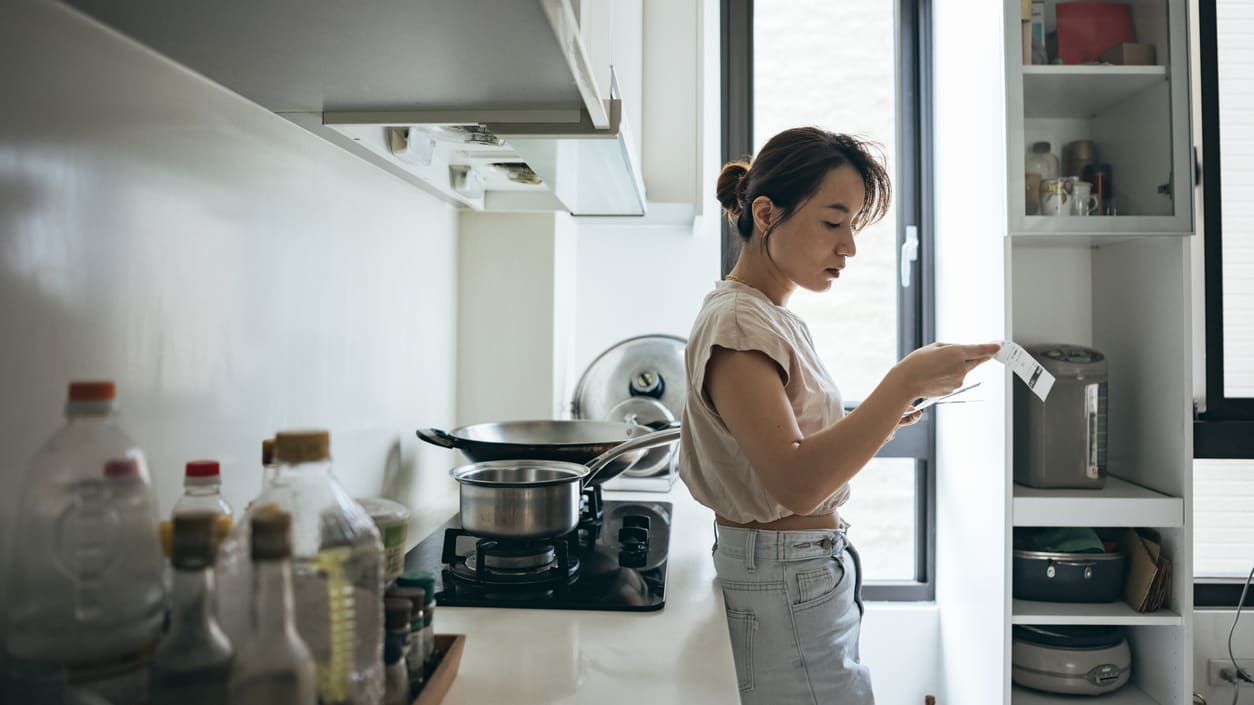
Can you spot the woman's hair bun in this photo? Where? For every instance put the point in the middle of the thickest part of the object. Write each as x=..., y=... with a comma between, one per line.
x=731, y=186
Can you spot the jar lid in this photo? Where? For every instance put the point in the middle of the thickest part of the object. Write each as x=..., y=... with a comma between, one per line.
x=649, y=366
x=92, y=391
x=419, y=578
x=1040, y=147
x=193, y=543
x=302, y=446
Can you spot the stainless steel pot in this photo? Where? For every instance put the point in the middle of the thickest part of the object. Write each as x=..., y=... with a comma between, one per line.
x=523, y=498
x=571, y=441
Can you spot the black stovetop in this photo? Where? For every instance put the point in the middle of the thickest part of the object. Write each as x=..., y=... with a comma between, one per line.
x=615, y=563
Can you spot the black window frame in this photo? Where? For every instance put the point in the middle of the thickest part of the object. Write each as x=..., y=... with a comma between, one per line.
x=1225, y=430
x=913, y=194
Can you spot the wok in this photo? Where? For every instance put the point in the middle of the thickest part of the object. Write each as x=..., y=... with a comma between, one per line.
x=572, y=441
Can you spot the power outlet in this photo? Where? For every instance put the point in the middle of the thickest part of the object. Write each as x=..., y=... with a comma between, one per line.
x=1216, y=666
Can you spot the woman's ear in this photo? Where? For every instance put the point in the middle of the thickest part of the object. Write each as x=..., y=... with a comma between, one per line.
x=763, y=213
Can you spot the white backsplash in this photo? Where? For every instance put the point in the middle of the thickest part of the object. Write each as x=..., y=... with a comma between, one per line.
x=232, y=272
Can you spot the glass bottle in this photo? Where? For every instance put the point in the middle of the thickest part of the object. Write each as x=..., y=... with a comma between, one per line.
x=234, y=573
x=193, y=662
x=425, y=580
x=86, y=592
x=1042, y=161
x=396, y=612
x=337, y=568
x=274, y=666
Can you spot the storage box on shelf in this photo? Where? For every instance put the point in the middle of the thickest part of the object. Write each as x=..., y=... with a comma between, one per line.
x=1135, y=116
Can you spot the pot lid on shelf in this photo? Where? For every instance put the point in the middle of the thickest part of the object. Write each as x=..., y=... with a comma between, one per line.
x=647, y=367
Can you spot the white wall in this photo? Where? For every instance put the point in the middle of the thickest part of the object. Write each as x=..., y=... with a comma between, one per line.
x=233, y=273
x=1210, y=641
x=969, y=137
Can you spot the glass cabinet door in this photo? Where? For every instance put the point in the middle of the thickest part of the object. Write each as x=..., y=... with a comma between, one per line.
x=1098, y=121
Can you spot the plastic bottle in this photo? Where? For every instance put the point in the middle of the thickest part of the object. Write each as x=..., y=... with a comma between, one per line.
x=234, y=566
x=202, y=493
x=193, y=662
x=274, y=666
x=86, y=593
x=337, y=566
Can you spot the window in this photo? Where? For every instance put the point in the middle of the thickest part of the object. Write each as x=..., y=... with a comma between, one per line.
x=855, y=68
x=1223, y=474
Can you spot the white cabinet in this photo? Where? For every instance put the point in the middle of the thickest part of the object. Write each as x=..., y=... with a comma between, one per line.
x=1120, y=284
x=350, y=71
x=1135, y=120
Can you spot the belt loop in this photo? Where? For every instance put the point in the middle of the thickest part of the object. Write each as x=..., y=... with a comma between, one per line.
x=751, y=554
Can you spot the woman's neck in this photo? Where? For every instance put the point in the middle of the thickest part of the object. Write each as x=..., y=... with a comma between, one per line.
x=754, y=269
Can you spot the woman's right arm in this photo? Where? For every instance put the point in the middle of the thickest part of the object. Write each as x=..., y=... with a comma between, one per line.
x=801, y=472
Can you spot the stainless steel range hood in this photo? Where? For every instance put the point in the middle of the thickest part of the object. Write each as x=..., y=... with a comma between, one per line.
x=508, y=159
x=359, y=74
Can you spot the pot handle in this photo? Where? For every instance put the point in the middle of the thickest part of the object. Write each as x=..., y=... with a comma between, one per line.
x=650, y=440
x=435, y=436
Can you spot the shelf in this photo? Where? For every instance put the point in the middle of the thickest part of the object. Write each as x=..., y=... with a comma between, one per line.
x=1127, y=695
x=1083, y=91
x=1111, y=613
x=1040, y=238
x=1120, y=503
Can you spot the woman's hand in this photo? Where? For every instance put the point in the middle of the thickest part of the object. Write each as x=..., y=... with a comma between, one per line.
x=940, y=368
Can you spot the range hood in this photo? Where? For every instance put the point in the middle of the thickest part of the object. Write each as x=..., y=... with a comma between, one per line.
x=403, y=83
x=512, y=160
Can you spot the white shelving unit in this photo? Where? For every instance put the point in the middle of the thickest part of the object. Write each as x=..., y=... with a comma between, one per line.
x=1112, y=613
x=1118, y=284
x=1128, y=695
x=1119, y=503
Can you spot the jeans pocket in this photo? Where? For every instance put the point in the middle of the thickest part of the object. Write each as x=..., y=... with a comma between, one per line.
x=743, y=626
x=818, y=585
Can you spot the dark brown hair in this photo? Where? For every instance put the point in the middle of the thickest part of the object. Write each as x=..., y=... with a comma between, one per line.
x=790, y=168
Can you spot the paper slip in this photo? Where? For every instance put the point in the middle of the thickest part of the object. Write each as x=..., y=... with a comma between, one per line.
x=924, y=403
x=1038, y=379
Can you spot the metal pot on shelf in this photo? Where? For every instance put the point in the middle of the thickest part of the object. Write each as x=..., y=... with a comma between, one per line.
x=536, y=498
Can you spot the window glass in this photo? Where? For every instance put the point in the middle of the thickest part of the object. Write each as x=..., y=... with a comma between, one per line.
x=832, y=65
x=1234, y=21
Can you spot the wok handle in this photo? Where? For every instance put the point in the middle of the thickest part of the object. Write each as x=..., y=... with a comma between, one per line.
x=435, y=436
x=649, y=440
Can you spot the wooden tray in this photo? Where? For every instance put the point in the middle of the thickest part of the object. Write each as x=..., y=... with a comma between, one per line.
x=448, y=648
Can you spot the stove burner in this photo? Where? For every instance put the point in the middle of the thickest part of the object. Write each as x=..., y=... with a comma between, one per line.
x=504, y=562
x=615, y=559
x=516, y=559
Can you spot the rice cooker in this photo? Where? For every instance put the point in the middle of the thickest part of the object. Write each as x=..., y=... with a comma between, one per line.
x=1061, y=442
x=1070, y=660
x=639, y=380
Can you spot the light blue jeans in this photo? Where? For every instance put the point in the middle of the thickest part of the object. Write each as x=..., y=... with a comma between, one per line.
x=794, y=610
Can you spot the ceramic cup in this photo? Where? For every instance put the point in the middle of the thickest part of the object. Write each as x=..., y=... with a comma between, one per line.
x=1057, y=195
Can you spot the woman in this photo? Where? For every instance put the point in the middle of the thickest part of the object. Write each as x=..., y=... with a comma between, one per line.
x=766, y=442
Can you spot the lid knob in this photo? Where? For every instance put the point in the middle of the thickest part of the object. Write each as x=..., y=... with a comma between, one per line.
x=647, y=383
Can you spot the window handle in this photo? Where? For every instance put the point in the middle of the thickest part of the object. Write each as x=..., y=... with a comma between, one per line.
x=909, y=254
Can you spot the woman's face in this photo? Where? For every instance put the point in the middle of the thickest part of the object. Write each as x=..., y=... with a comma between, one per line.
x=811, y=247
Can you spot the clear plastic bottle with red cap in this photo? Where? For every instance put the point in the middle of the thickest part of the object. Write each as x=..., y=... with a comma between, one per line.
x=202, y=493
x=85, y=572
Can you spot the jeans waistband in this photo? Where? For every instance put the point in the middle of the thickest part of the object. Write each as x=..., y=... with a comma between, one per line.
x=763, y=545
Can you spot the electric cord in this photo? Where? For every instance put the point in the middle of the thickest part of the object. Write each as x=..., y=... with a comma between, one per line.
x=1240, y=673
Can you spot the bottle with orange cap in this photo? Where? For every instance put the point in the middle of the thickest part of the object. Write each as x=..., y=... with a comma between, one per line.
x=85, y=576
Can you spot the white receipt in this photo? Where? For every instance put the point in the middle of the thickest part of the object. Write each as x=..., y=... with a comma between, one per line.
x=1038, y=379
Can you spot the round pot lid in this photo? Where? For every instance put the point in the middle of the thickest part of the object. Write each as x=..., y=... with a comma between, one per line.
x=648, y=366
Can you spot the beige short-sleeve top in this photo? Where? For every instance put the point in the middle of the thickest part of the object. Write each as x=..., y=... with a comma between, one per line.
x=739, y=317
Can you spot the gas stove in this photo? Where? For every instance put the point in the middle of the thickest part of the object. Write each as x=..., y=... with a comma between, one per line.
x=614, y=560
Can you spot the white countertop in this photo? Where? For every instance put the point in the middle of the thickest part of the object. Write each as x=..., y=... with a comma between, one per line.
x=680, y=654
